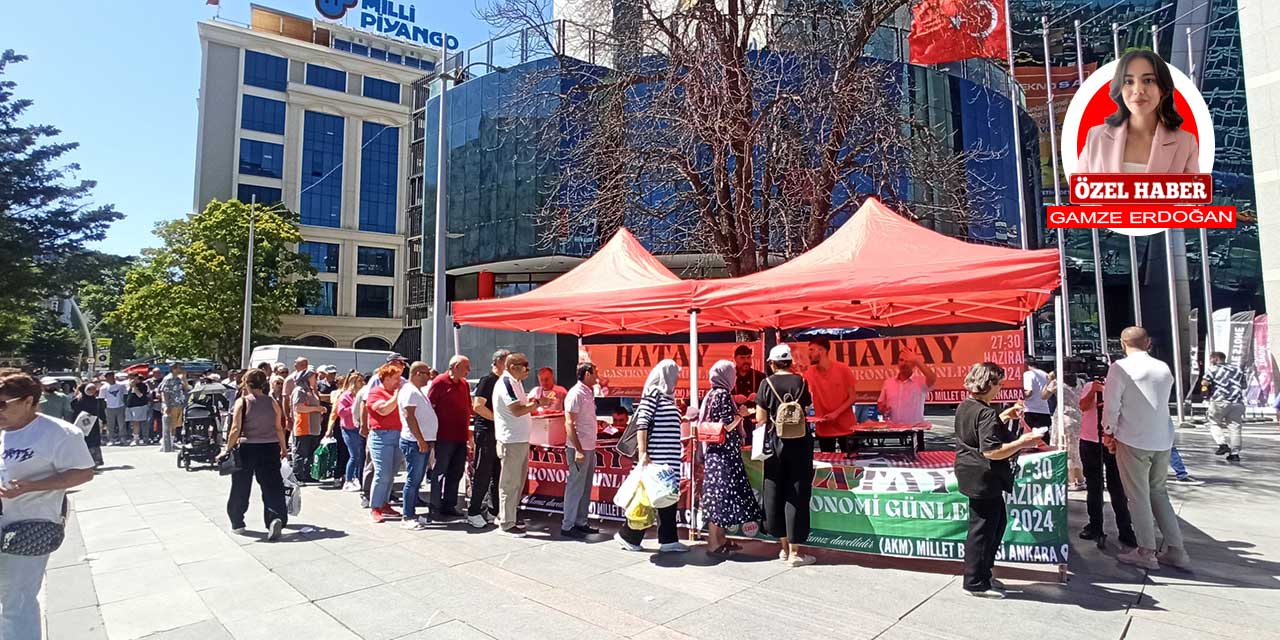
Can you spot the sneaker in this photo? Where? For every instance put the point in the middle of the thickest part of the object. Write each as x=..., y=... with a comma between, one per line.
x=998, y=586
x=802, y=560
x=136, y=443
x=1175, y=557
x=989, y=593
x=490, y=517
x=1188, y=481
x=1222, y=450
x=573, y=534
x=1235, y=457
x=673, y=547
x=239, y=530
x=1139, y=559
x=388, y=510
x=516, y=531
x=587, y=530
x=477, y=521
x=626, y=546
x=417, y=524
x=364, y=502
x=273, y=533
x=377, y=514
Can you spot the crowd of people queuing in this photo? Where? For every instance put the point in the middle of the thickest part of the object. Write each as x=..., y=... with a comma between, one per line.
x=411, y=418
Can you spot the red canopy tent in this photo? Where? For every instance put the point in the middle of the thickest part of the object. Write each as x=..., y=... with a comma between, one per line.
x=621, y=289
x=881, y=269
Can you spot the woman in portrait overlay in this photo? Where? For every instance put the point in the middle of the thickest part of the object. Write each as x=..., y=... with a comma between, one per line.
x=1144, y=135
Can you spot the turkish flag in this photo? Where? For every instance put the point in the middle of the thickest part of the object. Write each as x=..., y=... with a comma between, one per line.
x=950, y=30
x=212, y=2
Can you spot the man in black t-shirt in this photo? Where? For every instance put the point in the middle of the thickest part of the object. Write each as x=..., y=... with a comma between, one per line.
x=484, y=479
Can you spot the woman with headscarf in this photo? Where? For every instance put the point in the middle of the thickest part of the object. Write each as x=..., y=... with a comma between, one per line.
x=727, y=498
x=658, y=442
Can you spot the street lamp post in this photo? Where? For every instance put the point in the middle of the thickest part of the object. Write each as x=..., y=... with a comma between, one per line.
x=439, y=323
x=246, y=331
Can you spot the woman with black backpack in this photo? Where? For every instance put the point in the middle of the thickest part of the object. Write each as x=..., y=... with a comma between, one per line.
x=782, y=403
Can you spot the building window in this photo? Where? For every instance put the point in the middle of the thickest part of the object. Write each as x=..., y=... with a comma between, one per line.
x=373, y=261
x=326, y=78
x=259, y=158
x=262, y=114
x=381, y=89
x=373, y=301
x=359, y=49
x=373, y=343
x=321, y=201
x=378, y=176
x=323, y=255
x=377, y=54
x=341, y=45
x=247, y=193
x=327, y=303
x=266, y=71
x=395, y=58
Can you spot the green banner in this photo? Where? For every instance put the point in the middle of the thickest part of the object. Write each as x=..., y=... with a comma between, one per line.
x=919, y=512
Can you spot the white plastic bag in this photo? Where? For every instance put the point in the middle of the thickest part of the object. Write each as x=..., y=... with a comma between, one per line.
x=292, y=490
x=758, y=436
x=661, y=484
x=627, y=490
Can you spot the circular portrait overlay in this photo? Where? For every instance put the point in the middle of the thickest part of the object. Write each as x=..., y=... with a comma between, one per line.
x=1091, y=105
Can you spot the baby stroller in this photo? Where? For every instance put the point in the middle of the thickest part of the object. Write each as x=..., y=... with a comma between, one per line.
x=200, y=439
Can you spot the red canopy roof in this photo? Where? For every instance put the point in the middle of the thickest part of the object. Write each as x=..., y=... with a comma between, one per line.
x=621, y=289
x=880, y=269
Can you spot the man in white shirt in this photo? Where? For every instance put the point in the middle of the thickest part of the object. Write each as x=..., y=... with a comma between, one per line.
x=113, y=393
x=1034, y=380
x=1137, y=427
x=579, y=453
x=902, y=397
x=416, y=438
x=512, y=417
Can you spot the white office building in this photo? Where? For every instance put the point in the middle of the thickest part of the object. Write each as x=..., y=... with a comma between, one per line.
x=315, y=115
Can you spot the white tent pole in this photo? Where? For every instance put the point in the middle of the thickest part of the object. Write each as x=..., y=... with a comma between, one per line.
x=1060, y=427
x=457, y=339
x=693, y=406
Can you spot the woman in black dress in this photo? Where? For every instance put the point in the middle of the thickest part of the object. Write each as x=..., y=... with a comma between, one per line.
x=727, y=498
x=87, y=401
x=986, y=442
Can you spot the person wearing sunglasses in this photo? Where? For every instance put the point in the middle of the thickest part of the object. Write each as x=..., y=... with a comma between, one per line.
x=40, y=458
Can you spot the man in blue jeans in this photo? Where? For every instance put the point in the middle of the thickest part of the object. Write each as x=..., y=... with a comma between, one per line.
x=416, y=439
x=1180, y=474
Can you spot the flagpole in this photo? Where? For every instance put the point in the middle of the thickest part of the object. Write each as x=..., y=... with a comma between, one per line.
x=1023, y=240
x=1065, y=321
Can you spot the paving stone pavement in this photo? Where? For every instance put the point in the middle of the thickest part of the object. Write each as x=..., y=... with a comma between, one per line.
x=150, y=555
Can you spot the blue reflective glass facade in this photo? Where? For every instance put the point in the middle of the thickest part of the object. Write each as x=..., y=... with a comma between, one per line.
x=381, y=89
x=373, y=301
x=323, y=255
x=327, y=303
x=326, y=78
x=379, y=54
x=262, y=114
x=264, y=195
x=266, y=71
x=321, y=186
x=375, y=261
x=379, y=171
x=265, y=159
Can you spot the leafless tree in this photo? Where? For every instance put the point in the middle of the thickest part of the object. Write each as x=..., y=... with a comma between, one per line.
x=726, y=127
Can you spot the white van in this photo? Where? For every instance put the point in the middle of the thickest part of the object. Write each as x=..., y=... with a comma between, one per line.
x=362, y=360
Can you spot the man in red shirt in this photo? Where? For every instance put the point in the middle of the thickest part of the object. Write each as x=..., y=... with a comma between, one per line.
x=450, y=396
x=832, y=385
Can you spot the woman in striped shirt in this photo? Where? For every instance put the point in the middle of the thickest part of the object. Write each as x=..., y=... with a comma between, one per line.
x=658, y=442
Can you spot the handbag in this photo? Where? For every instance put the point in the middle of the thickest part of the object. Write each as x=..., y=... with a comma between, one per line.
x=712, y=431
x=233, y=462
x=627, y=446
x=33, y=537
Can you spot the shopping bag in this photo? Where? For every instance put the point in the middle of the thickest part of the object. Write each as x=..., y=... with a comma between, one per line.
x=661, y=485
x=325, y=461
x=292, y=490
x=628, y=489
x=640, y=513
x=85, y=422
x=759, y=438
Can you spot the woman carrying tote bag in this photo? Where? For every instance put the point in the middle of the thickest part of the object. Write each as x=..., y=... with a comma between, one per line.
x=658, y=442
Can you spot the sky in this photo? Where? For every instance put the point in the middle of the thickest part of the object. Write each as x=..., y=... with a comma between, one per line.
x=122, y=78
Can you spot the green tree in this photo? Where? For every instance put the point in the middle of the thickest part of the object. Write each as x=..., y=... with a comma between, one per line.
x=100, y=294
x=45, y=219
x=50, y=344
x=185, y=299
